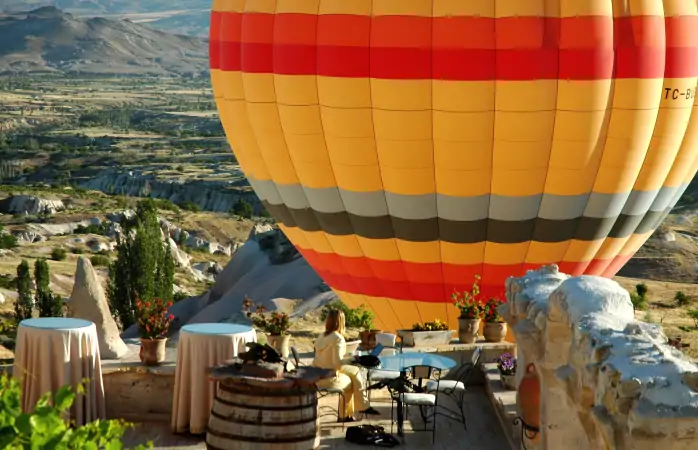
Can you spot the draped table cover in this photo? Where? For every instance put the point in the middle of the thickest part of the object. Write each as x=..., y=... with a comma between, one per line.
x=52, y=352
x=201, y=346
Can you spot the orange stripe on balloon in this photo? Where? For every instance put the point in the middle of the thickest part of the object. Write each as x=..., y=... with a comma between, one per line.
x=425, y=282
x=460, y=48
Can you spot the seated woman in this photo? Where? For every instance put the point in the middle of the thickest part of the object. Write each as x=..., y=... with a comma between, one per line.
x=329, y=351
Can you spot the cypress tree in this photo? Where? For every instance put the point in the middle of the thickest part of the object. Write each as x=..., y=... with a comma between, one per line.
x=143, y=269
x=166, y=272
x=48, y=303
x=25, y=302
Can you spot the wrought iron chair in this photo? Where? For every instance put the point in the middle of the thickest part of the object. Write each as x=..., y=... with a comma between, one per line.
x=326, y=410
x=455, y=389
x=423, y=400
x=386, y=342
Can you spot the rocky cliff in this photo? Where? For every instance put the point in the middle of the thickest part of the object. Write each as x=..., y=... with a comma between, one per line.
x=212, y=195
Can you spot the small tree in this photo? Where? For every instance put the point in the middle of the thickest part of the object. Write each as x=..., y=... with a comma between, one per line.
x=49, y=304
x=25, y=301
x=243, y=209
x=682, y=299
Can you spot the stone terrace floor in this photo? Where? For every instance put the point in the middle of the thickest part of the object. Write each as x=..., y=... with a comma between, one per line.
x=484, y=430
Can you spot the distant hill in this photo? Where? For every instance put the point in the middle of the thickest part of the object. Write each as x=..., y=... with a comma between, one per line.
x=188, y=17
x=47, y=40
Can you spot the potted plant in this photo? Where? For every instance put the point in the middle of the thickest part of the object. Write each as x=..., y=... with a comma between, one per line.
x=495, y=327
x=470, y=313
x=274, y=324
x=153, y=324
x=507, y=370
x=363, y=318
x=427, y=333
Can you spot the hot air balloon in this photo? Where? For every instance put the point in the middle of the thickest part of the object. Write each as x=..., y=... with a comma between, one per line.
x=405, y=146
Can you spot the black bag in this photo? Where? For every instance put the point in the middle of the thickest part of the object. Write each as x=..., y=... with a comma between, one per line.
x=369, y=361
x=370, y=435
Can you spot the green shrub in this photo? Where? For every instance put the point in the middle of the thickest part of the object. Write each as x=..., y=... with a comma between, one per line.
x=76, y=251
x=59, y=254
x=190, y=206
x=682, y=299
x=355, y=317
x=639, y=297
x=45, y=428
x=7, y=241
x=8, y=282
x=243, y=209
x=693, y=314
x=639, y=303
x=100, y=261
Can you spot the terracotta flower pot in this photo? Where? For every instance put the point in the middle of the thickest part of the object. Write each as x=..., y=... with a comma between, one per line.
x=280, y=343
x=495, y=331
x=468, y=330
x=152, y=351
x=508, y=381
x=528, y=397
x=368, y=339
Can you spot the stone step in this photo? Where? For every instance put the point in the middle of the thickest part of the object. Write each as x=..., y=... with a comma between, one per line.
x=504, y=402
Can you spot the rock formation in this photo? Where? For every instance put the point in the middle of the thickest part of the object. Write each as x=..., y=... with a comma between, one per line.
x=89, y=302
x=607, y=381
x=29, y=204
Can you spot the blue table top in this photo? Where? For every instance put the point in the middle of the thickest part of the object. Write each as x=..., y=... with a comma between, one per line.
x=216, y=328
x=402, y=361
x=55, y=323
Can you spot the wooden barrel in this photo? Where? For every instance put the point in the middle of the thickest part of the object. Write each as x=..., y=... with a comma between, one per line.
x=245, y=417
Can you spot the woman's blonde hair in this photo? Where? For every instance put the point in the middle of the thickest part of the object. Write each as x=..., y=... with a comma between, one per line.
x=335, y=322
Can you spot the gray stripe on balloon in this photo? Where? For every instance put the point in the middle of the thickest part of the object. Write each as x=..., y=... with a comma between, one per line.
x=496, y=207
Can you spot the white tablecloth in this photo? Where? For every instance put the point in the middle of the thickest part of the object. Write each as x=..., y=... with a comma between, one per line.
x=52, y=352
x=201, y=346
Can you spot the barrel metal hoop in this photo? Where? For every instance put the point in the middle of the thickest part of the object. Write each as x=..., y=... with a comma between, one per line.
x=264, y=408
x=275, y=440
x=227, y=418
x=266, y=393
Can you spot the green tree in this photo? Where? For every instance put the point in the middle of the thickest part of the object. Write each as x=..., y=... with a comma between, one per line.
x=143, y=268
x=7, y=241
x=243, y=209
x=166, y=271
x=49, y=304
x=25, y=303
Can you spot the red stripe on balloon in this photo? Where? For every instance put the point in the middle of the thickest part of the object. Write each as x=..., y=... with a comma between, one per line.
x=427, y=282
x=214, y=44
x=459, y=48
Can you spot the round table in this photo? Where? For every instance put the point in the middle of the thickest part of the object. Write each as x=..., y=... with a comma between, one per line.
x=202, y=345
x=403, y=361
x=52, y=352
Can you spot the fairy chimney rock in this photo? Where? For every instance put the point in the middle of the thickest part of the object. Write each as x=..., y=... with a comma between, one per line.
x=89, y=302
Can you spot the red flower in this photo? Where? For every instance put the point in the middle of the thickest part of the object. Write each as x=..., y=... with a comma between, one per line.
x=147, y=304
x=172, y=317
x=169, y=304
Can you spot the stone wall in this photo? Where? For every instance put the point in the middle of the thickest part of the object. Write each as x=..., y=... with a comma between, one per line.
x=607, y=381
x=139, y=393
